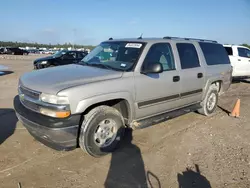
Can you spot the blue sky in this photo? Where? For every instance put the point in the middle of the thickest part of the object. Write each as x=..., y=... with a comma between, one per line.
x=91, y=21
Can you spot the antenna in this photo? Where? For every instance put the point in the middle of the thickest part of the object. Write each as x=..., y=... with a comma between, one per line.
x=140, y=36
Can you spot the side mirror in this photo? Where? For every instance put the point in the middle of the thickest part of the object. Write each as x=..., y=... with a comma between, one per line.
x=153, y=68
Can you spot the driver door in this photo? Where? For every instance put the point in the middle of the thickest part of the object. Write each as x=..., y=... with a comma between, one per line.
x=157, y=93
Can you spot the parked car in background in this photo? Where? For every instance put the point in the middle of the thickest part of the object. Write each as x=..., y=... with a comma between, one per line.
x=63, y=57
x=121, y=83
x=13, y=51
x=240, y=60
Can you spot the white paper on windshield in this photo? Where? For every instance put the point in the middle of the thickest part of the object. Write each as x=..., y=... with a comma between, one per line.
x=123, y=65
x=133, y=45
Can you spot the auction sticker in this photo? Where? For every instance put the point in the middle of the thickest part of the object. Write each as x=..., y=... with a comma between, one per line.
x=133, y=45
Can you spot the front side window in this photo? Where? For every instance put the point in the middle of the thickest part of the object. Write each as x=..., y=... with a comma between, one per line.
x=70, y=55
x=161, y=53
x=117, y=55
x=59, y=53
x=215, y=54
x=188, y=55
x=244, y=52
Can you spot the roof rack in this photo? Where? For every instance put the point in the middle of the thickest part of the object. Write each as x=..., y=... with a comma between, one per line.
x=202, y=40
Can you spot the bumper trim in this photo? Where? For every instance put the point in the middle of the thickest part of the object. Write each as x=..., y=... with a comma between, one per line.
x=64, y=138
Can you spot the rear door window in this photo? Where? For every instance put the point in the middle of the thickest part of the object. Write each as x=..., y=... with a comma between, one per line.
x=214, y=53
x=188, y=55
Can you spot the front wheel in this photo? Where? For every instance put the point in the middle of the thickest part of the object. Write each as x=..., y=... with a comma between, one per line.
x=101, y=131
x=209, y=104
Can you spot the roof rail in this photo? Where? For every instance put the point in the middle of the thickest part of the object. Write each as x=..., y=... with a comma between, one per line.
x=201, y=40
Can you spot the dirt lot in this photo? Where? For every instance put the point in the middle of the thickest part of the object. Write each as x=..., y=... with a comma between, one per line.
x=188, y=151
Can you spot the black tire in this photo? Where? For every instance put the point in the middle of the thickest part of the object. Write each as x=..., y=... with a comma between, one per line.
x=205, y=110
x=90, y=125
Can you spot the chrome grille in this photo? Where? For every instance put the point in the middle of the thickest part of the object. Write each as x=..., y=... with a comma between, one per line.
x=30, y=93
x=30, y=105
x=29, y=98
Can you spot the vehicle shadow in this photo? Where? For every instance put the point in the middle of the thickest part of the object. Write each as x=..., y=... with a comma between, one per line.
x=191, y=179
x=8, y=121
x=244, y=80
x=126, y=166
x=3, y=73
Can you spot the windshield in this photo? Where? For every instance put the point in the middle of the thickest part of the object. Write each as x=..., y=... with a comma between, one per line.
x=59, y=53
x=120, y=56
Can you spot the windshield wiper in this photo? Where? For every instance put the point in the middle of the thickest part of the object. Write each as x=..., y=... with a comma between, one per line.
x=99, y=65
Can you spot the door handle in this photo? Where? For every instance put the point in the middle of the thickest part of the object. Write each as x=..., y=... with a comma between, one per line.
x=176, y=78
x=239, y=59
x=199, y=75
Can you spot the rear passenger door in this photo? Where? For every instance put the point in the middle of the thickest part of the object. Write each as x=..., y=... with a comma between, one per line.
x=191, y=74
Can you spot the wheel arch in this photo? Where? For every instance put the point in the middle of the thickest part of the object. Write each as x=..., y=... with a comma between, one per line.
x=121, y=101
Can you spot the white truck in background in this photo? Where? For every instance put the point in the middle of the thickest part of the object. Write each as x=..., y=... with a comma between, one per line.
x=240, y=60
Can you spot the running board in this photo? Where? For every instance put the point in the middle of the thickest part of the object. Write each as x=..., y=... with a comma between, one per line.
x=141, y=124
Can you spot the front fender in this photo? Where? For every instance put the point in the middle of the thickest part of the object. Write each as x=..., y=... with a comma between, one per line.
x=85, y=103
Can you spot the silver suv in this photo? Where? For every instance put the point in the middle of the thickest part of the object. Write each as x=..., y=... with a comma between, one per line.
x=128, y=83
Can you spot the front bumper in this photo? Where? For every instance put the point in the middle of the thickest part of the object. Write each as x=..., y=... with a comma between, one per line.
x=59, y=134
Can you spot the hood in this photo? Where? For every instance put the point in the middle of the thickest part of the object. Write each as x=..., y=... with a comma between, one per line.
x=44, y=59
x=53, y=80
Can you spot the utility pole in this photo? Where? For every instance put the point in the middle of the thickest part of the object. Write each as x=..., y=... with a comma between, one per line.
x=74, y=35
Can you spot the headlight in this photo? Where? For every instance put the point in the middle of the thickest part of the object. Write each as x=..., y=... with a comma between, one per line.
x=53, y=99
x=43, y=62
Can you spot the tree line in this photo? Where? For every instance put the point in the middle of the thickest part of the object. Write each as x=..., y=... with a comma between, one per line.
x=37, y=45
x=246, y=45
x=65, y=45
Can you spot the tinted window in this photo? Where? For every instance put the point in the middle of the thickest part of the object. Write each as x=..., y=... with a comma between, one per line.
x=161, y=53
x=70, y=55
x=188, y=55
x=214, y=54
x=244, y=52
x=229, y=50
x=80, y=55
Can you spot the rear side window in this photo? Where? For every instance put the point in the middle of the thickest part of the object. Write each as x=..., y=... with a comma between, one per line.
x=229, y=50
x=188, y=55
x=215, y=54
x=244, y=52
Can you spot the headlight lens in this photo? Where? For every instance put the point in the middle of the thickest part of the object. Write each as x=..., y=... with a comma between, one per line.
x=43, y=62
x=53, y=99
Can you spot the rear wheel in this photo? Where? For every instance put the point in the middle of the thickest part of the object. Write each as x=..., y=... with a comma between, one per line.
x=209, y=104
x=101, y=131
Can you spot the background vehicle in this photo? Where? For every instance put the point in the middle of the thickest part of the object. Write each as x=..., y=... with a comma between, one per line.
x=240, y=60
x=63, y=57
x=14, y=51
x=122, y=83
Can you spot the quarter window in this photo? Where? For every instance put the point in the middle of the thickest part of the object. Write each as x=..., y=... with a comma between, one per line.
x=188, y=55
x=214, y=53
x=161, y=53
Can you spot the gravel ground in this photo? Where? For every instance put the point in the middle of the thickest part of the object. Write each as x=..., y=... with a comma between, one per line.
x=188, y=151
